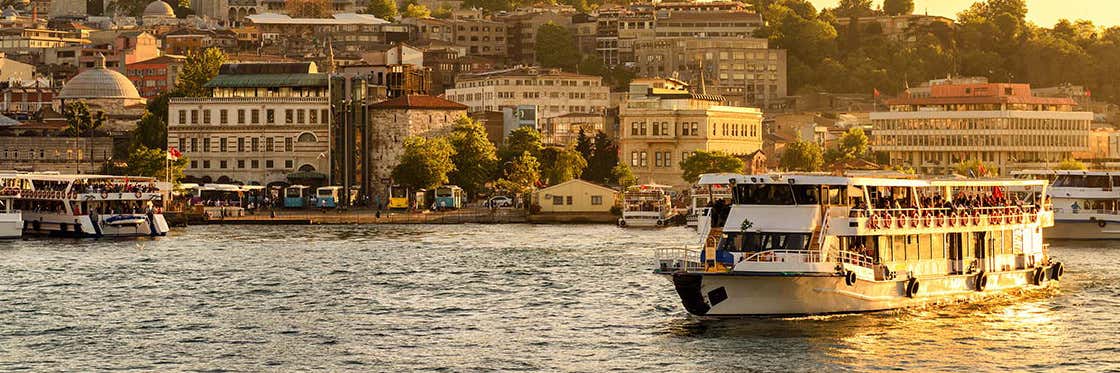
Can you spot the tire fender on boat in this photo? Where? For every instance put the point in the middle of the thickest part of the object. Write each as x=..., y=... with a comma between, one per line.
x=912, y=287
x=849, y=278
x=1039, y=276
x=621, y=223
x=1101, y=223
x=1057, y=270
x=660, y=222
x=981, y=281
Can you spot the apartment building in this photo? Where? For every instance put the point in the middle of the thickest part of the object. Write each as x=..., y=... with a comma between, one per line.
x=742, y=70
x=552, y=91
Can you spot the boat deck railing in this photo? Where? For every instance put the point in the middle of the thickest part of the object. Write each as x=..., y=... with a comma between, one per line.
x=854, y=258
x=786, y=256
x=1065, y=210
x=945, y=217
x=678, y=259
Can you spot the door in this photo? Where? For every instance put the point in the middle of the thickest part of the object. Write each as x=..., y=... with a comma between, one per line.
x=956, y=265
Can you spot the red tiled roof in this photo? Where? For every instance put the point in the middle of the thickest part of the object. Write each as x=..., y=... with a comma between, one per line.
x=981, y=100
x=419, y=102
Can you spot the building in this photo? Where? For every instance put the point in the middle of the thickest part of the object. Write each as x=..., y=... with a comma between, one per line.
x=155, y=76
x=15, y=71
x=663, y=124
x=266, y=123
x=104, y=90
x=393, y=121
x=448, y=63
x=42, y=146
x=620, y=30
x=23, y=100
x=521, y=32
x=564, y=130
x=158, y=13
x=552, y=91
x=901, y=27
x=1001, y=124
x=35, y=42
x=478, y=36
x=344, y=32
x=742, y=70
x=575, y=196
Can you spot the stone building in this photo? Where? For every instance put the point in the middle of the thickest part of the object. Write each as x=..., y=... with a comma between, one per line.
x=42, y=146
x=108, y=91
x=1000, y=124
x=552, y=91
x=264, y=123
x=662, y=123
x=743, y=70
x=394, y=120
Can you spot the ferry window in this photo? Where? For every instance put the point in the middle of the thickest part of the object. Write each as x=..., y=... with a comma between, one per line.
x=768, y=241
x=764, y=194
x=1097, y=182
x=807, y=194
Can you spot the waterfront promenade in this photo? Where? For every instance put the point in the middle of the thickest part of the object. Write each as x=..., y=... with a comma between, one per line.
x=370, y=216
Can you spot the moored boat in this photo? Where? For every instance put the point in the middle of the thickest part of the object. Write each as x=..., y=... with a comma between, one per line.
x=705, y=194
x=11, y=220
x=1086, y=203
x=647, y=205
x=816, y=244
x=90, y=205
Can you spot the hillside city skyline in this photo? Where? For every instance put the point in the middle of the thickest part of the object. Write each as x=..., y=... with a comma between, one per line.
x=1041, y=12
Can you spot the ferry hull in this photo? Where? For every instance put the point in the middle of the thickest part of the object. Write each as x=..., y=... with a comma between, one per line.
x=778, y=294
x=119, y=225
x=1084, y=230
x=11, y=225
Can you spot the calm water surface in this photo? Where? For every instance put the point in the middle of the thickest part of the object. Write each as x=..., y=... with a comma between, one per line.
x=482, y=297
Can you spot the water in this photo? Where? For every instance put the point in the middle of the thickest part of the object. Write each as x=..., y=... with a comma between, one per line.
x=482, y=297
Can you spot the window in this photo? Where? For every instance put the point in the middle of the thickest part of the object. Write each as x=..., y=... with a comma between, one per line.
x=194, y=164
x=194, y=116
x=324, y=114
x=288, y=164
x=269, y=164
x=206, y=144
x=657, y=159
x=268, y=144
x=287, y=144
x=270, y=116
x=256, y=116
x=642, y=129
x=634, y=159
x=240, y=163
x=182, y=116
x=223, y=116
x=223, y=164
x=313, y=116
x=206, y=164
x=668, y=159
x=240, y=116
x=289, y=117
x=222, y=145
x=182, y=144
x=240, y=144
x=634, y=129
x=596, y=200
x=256, y=144
x=206, y=116
x=299, y=116
x=645, y=159
x=255, y=164
x=194, y=144
x=557, y=200
x=569, y=198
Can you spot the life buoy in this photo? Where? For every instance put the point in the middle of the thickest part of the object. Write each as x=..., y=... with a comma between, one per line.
x=1101, y=223
x=976, y=219
x=888, y=221
x=981, y=281
x=912, y=287
x=915, y=220
x=104, y=195
x=138, y=194
x=660, y=223
x=850, y=278
x=993, y=218
x=928, y=220
x=873, y=222
x=621, y=223
x=942, y=220
x=1057, y=270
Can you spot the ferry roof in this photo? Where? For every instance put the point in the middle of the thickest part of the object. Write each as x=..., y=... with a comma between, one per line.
x=1067, y=172
x=821, y=179
x=69, y=178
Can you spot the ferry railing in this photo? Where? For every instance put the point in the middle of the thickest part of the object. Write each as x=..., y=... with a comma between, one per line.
x=780, y=256
x=928, y=217
x=678, y=259
x=1087, y=211
x=852, y=257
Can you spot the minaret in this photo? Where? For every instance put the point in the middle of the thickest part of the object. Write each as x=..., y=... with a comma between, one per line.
x=703, y=85
x=330, y=57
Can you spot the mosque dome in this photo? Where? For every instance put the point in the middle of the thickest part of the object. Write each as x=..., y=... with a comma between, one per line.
x=98, y=83
x=158, y=8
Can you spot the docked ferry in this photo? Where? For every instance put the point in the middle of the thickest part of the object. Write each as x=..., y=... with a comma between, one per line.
x=816, y=244
x=1086, y=203
x=11, y=220
x=91, y=205
x=647, y=205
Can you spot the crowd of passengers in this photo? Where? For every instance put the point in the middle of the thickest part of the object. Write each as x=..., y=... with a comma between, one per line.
x=82, y=188
x=963, y=203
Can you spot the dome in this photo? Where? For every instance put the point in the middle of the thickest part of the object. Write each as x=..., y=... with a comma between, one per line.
x=99, y=82
x=159, y=8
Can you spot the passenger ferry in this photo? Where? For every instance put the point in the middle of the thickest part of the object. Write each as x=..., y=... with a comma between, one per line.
x=1086, y=203
x=91, y=205
x=816, y=244
x=11, y=220
x=706, y=192
x=646, y=205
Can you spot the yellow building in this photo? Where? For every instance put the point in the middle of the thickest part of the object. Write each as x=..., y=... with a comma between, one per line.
x=576, y=196
x=662, y=123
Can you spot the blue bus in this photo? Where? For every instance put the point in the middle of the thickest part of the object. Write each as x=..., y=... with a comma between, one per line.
x=449, y=197
x=296, y=196
x=328, y=196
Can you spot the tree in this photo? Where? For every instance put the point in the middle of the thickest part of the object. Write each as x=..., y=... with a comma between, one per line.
x=973, y=168
x=521, y=175
x=556, y=47
x=584, y=145
x=198, y=69
x=308, y=8
x=898, y=7
x=144, y=161
x=802, y=156
x=854, y=8
x=475, y=157
x=854, y=144
x=521, y=140
x=602, y=161
x=622, y=176
x=384, y=9
x=704, y=162
x=443, y=12
x=1071, y=164
x=561, y=164
x=80, y=121
x=417, y=11
x=425, y=163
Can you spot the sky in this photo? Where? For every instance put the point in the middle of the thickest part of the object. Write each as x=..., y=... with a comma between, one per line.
x=1042, y=12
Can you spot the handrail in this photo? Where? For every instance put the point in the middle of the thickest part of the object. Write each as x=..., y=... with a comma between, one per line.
x=852, y=257
x=676, y=259
x=808, y=256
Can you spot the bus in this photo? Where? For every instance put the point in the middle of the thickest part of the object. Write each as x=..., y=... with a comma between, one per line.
x=296, y=196
x=449, y=197
x=398, y=197
x=328, y=196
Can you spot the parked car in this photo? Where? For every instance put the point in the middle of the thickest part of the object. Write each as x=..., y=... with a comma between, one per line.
x=499, y=201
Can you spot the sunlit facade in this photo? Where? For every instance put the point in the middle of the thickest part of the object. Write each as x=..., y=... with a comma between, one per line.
x=998, y=123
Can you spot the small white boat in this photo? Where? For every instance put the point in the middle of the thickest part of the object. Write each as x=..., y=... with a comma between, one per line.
x=710, y=188
x=646, y=205
x=11, y=220
x=816, y=244
x=1086, y=203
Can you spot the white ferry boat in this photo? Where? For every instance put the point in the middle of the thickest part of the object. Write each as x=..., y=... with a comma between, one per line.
x=707, y=191
x=91, y=206
x=816, y=244
x=647, y=205
x=11, y=220
x=1086, y=203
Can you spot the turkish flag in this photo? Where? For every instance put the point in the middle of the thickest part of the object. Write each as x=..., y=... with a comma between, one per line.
x=173, y=154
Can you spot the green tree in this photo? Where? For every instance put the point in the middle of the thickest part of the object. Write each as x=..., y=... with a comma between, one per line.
x=973, y=168
x=417, y=11
x=144, y=161
x=561, y=164
x=898, y=7
x=801, y=155
x=475, y=157
x=443, y=12
x=1071, y=164
x=521, y=174
x=556, y=47
x=622, y=176
x=521, y=140
x=80, y=121
x=854, y=144
x=384, y=9
x=704, y=162
x=854, y=8
x=602, y=161
x=584, y=145
x=425, y=163
x=198, y=69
